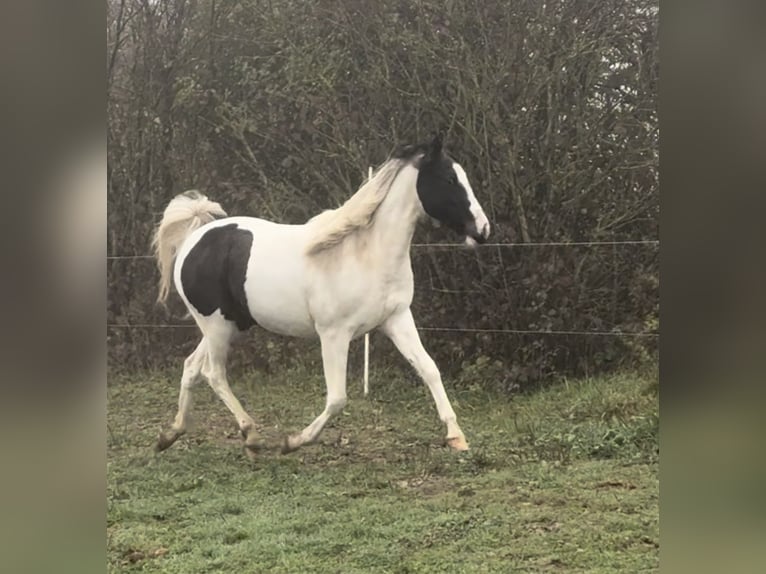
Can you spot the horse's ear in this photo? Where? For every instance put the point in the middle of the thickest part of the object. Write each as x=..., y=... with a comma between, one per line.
x=434, y=147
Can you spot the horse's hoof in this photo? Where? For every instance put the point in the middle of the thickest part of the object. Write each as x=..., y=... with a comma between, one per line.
x=457, y=443
x=289, y=445
x=165, y=440
x=253, y=445
x=252, y=451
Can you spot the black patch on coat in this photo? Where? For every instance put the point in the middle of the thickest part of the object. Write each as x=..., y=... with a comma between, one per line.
x=213, y=274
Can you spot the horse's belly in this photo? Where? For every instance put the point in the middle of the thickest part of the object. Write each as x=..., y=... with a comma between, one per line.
x=275, y=287
x=279, y=305
x=283, y=320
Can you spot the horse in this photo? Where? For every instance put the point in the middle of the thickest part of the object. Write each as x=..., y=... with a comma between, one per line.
x=340, y=275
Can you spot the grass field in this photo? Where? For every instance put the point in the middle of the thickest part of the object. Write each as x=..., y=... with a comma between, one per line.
x=564, y=479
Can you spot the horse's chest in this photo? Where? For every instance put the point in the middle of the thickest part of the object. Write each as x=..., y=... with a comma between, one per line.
x=385, y=301
x=379, y=303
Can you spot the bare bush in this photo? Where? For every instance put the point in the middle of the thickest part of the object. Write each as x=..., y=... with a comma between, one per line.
x=275, y=109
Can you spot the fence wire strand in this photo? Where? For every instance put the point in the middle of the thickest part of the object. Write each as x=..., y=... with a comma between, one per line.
x=453, y=245
x=452, y=329
x=432, y=329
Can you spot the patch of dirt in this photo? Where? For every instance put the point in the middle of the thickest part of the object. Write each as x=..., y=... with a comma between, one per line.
x=131, y=555
x=543, y=527
x=650, y=542
x=552, y=564
x=363, y=444
x=616, y=484
x=427, y=485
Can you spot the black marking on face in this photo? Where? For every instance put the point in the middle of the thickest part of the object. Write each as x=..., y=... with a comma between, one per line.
x=213, y=274
x=443, y=197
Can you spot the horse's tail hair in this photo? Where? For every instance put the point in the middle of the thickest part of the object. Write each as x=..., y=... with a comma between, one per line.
x=185, y=213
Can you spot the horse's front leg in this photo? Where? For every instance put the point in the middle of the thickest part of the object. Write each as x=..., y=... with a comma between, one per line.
x=334, y=358
x=400, y=328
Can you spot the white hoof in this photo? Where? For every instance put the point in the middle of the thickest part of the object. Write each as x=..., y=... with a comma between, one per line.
x=457, y=443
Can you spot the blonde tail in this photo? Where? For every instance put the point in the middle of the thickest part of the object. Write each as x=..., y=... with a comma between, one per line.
x=184, y=214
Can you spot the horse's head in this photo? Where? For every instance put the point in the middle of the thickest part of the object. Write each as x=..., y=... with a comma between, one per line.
x=446, y=195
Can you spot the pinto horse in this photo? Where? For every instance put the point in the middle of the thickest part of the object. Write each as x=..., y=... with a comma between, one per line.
x=342, y=274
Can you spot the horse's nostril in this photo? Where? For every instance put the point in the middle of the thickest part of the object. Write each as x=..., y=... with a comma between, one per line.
x=485, y=230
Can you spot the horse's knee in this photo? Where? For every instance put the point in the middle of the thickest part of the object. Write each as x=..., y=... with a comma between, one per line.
x=430, y=373
x=192, y=371
x=190, y=378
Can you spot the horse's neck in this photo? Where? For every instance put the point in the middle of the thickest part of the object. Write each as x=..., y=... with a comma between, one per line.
x=396, y=219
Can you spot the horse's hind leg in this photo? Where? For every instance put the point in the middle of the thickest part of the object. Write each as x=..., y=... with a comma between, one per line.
x=191, y=376
x=214, y=370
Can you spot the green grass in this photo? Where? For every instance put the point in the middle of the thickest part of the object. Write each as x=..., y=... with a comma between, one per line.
x=564, y=479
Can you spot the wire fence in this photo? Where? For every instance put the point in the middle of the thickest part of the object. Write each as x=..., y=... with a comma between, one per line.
x=485, y=245
x=503, y=331
x=454, y=329
x=434, y=329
